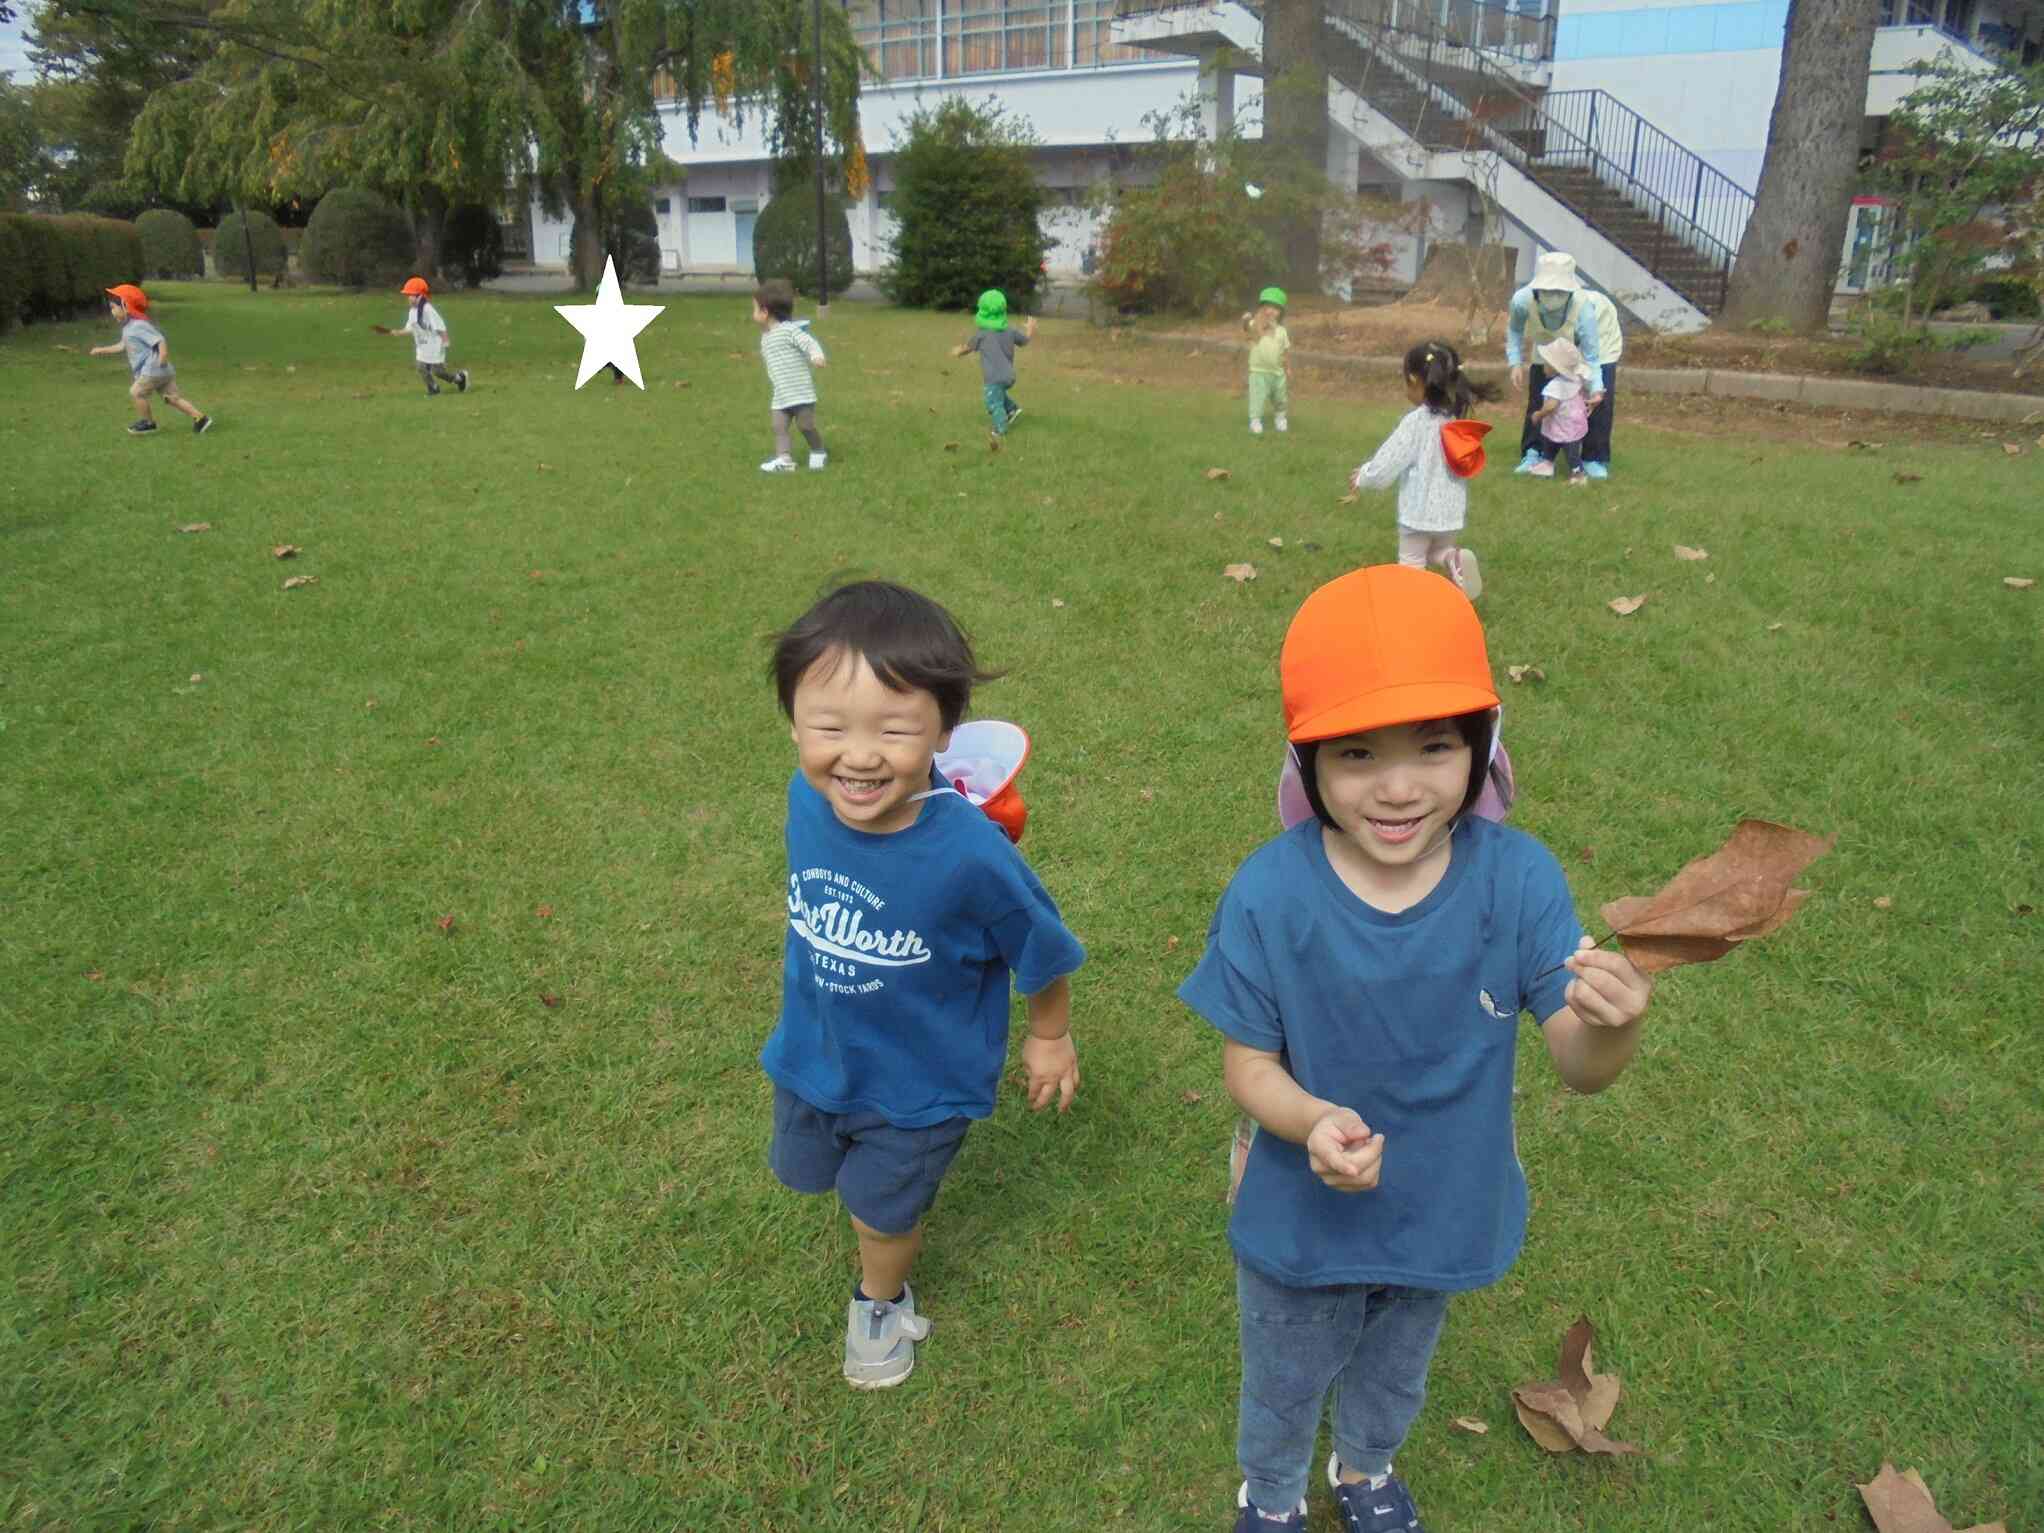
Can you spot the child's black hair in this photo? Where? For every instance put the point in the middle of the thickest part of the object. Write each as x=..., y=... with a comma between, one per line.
x=1449, y=391
x=776, y=295
x=1476, y=730
x=913, y=645
x=418, y=307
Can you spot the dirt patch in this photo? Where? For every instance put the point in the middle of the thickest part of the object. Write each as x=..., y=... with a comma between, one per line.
x=1388, y=329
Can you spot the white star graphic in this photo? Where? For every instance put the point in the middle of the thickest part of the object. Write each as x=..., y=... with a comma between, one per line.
x=608, y=326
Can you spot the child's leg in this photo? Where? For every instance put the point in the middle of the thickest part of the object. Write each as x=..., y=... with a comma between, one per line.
x=885, y=1260
x=1415, y=549
x=1281, y=397
x=139, y=391
x=1259, y=398
x=441, y=371
x=1383, y=1377
x=1294, y=1343
x=181, y=404
x=804, y=417
x=996, y=397
x=425, y=371
x=782, y=447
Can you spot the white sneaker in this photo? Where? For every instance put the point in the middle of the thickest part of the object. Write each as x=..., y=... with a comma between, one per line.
x=1283, y=424
x=1464, y=571
x=1256, y=426
x=880, y=1340
x=818, y=459
x=778, y=466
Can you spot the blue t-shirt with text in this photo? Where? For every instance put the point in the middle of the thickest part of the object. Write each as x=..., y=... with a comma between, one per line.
x=894, y=990
x=1411, y=1020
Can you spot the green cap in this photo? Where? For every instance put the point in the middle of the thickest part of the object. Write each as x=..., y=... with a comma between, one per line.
x=993, y=310
x=1274, y=295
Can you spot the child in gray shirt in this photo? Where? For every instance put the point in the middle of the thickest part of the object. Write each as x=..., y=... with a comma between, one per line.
x=996, y=344
x=148, y=361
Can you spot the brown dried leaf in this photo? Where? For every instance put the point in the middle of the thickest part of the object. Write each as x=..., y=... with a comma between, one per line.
x=543, y=911
x=548, y=999
x=1902, y=478
x=950, y=447
x=1625, y=606
x=1240, y=572
x=1884, y=902
x=1682, y=552
x=2017, y=582
x=1738, y=892
x=197, y=677
x=1865, y=446
x=1520, y=673
x=286, y=551
x=95, y=975
x=1471, y=1424
x=2013, y=449
x=196, y=527
x=1901, y=1503
x=1218, y=473
x=1775, y=627
x=1571, y=1412
x=1275, y=542
x=300, y=580
x=1189, y=1098
x=446, y=925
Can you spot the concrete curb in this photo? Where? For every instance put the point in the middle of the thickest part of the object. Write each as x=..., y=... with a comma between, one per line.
x=1822, y=392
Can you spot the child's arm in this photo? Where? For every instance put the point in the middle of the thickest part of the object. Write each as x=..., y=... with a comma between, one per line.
x=107, y=351
x=1028, y=331
x=961, y=350
x=1397, y=454
x=1593, y=1038
x=1339, y=1145
x=162, y=353
x=1047, y=1053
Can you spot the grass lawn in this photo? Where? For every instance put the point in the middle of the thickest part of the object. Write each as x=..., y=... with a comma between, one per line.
x=314, y=1214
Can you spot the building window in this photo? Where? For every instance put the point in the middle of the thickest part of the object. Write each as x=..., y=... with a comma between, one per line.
x=706, y=204
x=662, y=206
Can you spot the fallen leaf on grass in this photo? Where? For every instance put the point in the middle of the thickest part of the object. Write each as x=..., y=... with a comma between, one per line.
x=197, y=677
x=1901, y=1503
x=286, y=551
x=548, y=999
x=1902, y=478
x=446, y=925
x=1884, y=902
x=1471, y=1424
x=1189, y=1098
x=535, y=574
x=1276, y=542
x=681, y=383
x=1625, y=606
x=2013, y=449
x=1738, y=892
x=1057, y=601
x=1865, y=446
x=1683, y=552
x=1520, y=673
x=60, y=346
x=1218, y=473
x=196, y=527
x=1571, y=1412
x=300, y=580
x=2017, y=582
x=1775, y=627
x=95, y=975
x=950, y=447
x=1240, y=572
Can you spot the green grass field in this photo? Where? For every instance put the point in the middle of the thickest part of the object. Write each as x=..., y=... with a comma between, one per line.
x=315, y=1215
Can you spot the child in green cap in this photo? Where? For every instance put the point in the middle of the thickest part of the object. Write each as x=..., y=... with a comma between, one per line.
x=996, y=344
x=1270, y=360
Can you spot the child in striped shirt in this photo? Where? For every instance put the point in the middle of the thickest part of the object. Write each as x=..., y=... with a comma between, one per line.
x=789, y=352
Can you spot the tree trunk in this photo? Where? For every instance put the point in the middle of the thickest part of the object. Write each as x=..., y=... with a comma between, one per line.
x=426, y=207
x=1787, y=267
x=1295, y=121
x=586, y=245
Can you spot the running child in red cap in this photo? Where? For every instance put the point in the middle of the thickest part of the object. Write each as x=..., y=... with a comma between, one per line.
x=908, y=910
x=1368, y=969
x=429, y=338
x=1429, y=456
x=148, y=361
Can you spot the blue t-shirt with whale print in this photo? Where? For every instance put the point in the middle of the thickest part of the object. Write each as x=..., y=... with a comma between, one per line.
x=894, y=987
x=1411, y=1019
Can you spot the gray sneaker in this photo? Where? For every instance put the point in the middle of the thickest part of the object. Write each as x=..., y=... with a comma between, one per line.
x=880, y=1340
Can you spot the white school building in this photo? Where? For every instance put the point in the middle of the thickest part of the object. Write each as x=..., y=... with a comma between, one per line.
x=1627, y=132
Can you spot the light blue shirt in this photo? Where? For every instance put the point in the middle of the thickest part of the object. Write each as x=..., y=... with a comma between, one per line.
x=1587, y=338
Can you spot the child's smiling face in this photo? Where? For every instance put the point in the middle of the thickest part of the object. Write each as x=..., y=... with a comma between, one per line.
x=1394, y=794
x=864, y=746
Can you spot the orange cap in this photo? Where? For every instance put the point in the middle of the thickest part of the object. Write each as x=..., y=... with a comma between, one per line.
x=1380, y=646
x=415, y=287
x=1462, y=446
x=131, y=295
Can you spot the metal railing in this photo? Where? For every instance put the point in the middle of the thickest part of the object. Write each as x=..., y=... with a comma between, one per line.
x=1690, y=243
x=995, y=39
x=1522, y=31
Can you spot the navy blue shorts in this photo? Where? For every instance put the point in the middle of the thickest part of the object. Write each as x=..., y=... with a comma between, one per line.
x=886, y=1176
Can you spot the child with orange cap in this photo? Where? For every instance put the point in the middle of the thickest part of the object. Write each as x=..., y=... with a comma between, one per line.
x=1367, y=969
x=1429, y=455
x=148, y=361
x=909, y=910
x=429, y=338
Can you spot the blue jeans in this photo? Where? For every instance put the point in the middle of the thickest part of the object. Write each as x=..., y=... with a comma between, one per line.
x=999, y=405
x=1371, y=1343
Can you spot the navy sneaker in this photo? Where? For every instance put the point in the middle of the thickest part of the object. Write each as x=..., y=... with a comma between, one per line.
x=141, y=428
x=1365, y=1508
x=461, y=380
x=202, y=425
x=1249, y=1520
x=1014, y=415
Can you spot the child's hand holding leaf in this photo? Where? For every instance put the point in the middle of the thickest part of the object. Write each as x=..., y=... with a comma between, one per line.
x=1608, y=989
x=1344, y=1153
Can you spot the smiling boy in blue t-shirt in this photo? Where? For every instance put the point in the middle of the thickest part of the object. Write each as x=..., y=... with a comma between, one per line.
x=908, y=909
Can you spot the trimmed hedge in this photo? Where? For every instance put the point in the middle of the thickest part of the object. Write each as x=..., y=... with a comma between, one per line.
x=356, y=238
x=170, y=244
x=64, y=263
x=784, y=241
x=13, y=281
x=230, y=249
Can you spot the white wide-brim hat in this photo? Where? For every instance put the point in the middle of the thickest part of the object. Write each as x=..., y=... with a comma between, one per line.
x=1561, y=356
x=1556, y=271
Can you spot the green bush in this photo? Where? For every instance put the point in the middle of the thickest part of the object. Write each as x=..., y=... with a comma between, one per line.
x=2007, y=297
x=13, y=280
x=41, y=266
x=472, y=243
x=59, y=265
x=632, y=238
x=356, y=238
x=234, y=238
x=170, y=245
x=784, y=240
x=969, y=210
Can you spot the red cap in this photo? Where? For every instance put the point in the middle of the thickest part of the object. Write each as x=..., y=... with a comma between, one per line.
x=415, y=287
x=1462, y=445
x=1381, y=646
x=131, y=295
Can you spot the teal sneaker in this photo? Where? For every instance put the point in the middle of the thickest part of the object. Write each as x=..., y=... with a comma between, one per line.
x=880, y=1340
x=1597, y=470
x=1530, y=461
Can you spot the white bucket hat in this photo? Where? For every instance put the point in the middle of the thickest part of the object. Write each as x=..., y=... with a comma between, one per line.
x=1561, y=356
x=1555, y=271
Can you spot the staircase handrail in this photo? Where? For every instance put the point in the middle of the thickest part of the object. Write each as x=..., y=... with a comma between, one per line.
x=1354, y=17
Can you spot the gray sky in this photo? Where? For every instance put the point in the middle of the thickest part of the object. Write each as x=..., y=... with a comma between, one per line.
x=13, y=51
